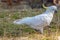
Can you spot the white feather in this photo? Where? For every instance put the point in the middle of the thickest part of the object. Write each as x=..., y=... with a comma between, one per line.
x=39, y=21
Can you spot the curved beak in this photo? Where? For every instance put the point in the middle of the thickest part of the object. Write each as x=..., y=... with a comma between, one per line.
x=55, y=11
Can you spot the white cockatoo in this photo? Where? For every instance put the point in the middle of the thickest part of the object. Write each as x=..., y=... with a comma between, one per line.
x=38, y=22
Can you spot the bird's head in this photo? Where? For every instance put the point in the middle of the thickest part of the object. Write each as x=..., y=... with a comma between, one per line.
x=52, y=8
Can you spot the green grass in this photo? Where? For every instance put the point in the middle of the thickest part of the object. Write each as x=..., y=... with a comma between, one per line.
x=7, y=19
x=7, y=27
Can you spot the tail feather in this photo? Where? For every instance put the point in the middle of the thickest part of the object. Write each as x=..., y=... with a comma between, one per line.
x=20, y=21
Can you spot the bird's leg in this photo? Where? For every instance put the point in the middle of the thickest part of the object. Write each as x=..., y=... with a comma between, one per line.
x=41, y=30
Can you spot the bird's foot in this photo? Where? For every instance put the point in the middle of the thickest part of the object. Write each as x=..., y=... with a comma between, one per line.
x=38, y=31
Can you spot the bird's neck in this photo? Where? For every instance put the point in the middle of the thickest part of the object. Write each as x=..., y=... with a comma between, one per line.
x=49, y=12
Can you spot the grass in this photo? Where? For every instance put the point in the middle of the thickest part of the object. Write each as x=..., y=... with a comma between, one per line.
x=9, y=31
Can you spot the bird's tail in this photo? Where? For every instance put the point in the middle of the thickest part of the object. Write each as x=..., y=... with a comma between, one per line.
x=19, y=21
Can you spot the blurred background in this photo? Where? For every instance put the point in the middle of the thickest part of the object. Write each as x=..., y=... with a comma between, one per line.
x=27, y=3
x=11, y=10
